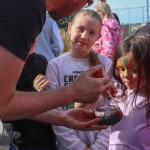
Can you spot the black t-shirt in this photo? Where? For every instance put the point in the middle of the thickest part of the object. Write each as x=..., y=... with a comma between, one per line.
x=29, y=133
x=20, y=23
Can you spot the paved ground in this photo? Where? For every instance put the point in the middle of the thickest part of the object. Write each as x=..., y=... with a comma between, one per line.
x=4, y=140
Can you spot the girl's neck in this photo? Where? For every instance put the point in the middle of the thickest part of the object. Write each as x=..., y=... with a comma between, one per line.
x=141, y=91
x=79, y=55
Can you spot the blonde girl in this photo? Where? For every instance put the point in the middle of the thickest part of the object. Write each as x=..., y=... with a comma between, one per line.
x=84, y=30
x=132, y=70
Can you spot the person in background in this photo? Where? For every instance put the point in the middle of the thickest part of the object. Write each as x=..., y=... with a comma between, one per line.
x=131, y=69
x=21, y=22
x=145, y=29
x=114, y=14
x=111, y=33
x=101, y=1
x=84, y=30
x=116, y=17
x=26, y=133
x=49, y=42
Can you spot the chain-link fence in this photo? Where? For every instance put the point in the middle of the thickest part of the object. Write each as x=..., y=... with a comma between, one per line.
x=132, y=18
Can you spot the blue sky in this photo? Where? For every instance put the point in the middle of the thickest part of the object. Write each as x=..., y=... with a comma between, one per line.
x=129, y=11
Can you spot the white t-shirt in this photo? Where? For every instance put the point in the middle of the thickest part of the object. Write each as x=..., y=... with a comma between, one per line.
x=63, y=70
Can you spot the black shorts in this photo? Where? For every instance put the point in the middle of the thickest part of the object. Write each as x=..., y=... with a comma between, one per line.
x=20, y=23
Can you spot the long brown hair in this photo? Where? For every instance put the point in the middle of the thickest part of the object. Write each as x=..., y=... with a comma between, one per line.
x=139, y=45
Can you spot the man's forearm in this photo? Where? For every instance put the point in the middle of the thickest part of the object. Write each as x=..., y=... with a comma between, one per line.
x=50, y=117
x=27, y=104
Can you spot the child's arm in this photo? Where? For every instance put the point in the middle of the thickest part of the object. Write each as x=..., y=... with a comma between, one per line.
x=88, y=106
x=85, y=106
x=78, y=105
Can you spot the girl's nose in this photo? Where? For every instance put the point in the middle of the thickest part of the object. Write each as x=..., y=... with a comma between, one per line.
x=128, y=74
x=84, y=35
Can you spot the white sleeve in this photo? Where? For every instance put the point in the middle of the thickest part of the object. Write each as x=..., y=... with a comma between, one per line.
x=52, y=75
x=102, y=140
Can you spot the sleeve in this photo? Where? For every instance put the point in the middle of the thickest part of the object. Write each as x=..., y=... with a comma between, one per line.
x=52, y=75
x=56, y=43
x=102, y=140
x=67, y=138
x=108, y=43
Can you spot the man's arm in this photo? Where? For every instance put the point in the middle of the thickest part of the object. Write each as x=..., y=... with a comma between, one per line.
x=16, y=105
x=79, y=118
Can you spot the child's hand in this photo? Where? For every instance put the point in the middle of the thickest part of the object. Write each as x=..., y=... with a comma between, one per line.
x=90, y=148
x=40, y=82
x=78, y=105
x=86, y=148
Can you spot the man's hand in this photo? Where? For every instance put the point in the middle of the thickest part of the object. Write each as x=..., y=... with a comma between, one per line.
x=86, y=89
x=80, y=119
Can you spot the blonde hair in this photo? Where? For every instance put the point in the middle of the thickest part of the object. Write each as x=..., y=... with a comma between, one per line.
x=104, y=8
x=101, y=1
x=88, y=12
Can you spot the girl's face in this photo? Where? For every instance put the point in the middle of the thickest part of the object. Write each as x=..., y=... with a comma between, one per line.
x=126, y=67
x=84, y=32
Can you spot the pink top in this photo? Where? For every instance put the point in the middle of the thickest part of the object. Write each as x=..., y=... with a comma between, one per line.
x=111, y=35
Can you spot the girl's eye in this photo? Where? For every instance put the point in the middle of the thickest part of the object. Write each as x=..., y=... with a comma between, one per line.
x=92, y=33
x=80, y=29
x=134, y=70
x=120, y=68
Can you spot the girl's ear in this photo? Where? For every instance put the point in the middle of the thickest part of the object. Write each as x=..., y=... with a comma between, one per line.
x=69, y=28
